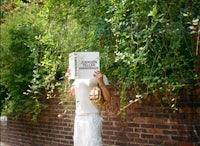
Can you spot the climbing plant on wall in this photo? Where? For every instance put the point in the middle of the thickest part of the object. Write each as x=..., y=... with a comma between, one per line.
x=31, y=59
x=154, y=51
x=148, y=47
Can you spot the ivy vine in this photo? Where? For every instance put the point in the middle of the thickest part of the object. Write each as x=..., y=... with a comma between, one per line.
x=148, y=48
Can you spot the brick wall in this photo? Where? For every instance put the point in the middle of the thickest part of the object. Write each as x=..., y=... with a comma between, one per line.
x=145, y=125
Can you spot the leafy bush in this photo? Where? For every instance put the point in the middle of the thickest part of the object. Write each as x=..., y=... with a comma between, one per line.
x=154, y=50
x=17, y=63
x=147, y=47
x=32, y=59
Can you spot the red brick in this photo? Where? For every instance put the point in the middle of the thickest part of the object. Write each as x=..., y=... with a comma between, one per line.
x=187, y=144
x=141, y=141
x=154, y=131
x=170, y=143
x=147, y=125
x=146, y=136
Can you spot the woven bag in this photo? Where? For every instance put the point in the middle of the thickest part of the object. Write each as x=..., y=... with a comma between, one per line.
x=96, y=96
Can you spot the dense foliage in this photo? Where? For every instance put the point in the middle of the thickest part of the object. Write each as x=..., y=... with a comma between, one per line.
x=154, y=52
x=146, y=46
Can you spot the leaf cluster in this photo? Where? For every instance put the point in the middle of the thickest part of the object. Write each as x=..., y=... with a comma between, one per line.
x=148, y=48
x=154, y=48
